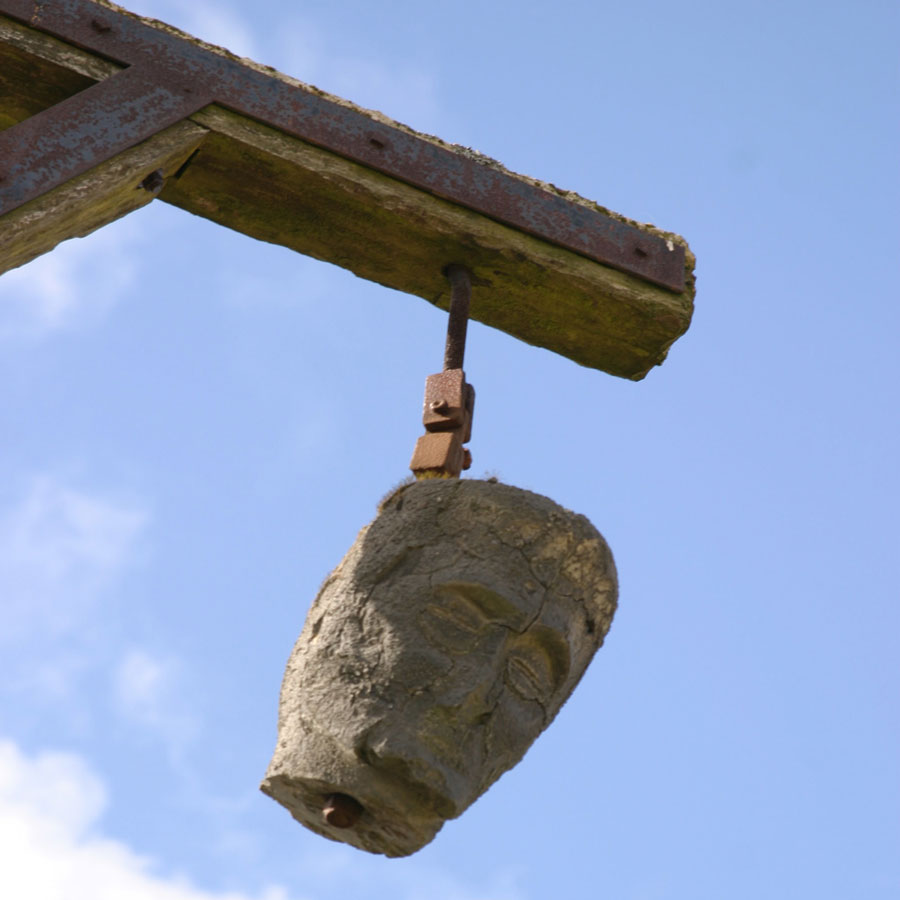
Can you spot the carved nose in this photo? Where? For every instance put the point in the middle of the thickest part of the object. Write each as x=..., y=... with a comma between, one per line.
x=411, y=769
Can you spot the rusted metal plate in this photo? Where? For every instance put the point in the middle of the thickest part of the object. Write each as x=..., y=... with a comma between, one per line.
x=98, y=197
x=174, y=64
x=95, y=125
x=272, y=185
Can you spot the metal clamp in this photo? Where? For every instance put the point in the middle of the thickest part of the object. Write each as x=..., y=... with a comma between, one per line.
x=449, y=400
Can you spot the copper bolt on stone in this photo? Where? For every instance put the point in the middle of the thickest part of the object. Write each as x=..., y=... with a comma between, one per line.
x=341, y=811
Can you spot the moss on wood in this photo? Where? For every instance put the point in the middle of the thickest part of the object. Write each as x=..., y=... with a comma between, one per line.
x=277, y=188
x=98, y=197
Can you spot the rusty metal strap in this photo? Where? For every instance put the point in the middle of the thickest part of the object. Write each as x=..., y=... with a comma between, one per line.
x=178, y=77
x=68, y=139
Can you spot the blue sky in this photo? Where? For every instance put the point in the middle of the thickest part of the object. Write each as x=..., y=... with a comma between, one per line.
x=198, y=424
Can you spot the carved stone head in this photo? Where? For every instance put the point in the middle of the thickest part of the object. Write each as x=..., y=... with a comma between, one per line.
x=442, y=645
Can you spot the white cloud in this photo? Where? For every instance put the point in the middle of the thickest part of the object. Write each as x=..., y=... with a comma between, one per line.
x=62, y=550
x=73, y=285
x=59, y=547
x=147, y=692
x=50, y=807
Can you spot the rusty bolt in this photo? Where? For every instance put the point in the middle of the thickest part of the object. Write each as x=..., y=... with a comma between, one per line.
x=153, y=182
x=439, y=406
x=341, y=811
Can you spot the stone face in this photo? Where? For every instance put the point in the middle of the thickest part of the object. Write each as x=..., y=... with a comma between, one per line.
x=437, y=651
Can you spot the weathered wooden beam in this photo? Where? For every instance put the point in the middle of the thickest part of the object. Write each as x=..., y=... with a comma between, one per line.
x=349, y=200
x=100, y=196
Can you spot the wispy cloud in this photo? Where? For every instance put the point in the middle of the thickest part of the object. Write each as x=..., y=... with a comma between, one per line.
x=401, y=88
x=215, y=23
x=62, y=551
x=59, y=548
x=412, y=879
x=50, y=809
x=72, y=286
x=51, y=815
x=76, y=284
x=148, y=693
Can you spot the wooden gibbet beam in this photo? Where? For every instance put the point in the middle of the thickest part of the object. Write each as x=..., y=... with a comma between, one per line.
x=103, y=111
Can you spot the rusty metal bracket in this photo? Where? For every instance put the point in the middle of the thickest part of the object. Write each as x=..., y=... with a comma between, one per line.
x=449, y=401
x=168, y=78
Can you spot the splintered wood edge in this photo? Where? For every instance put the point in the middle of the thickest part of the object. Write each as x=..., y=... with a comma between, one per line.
x=534, y=290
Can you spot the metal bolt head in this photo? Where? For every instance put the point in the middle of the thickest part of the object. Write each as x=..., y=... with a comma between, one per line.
x=341, y=811
x=153, y=182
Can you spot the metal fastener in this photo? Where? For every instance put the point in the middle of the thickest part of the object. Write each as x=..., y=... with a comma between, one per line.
x=341, y=811
x=153, y=182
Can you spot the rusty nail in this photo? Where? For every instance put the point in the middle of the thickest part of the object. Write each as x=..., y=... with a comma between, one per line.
x=341, y=811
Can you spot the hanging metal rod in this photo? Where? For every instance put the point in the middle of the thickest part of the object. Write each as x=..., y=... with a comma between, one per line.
x=460, y=297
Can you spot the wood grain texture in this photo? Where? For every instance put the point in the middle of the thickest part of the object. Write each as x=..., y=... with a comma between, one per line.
x=274, y=187
x=84, y=204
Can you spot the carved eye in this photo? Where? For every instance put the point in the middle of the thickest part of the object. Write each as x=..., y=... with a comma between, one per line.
x=453, y=624
x=460, y=612
x=537, y=664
